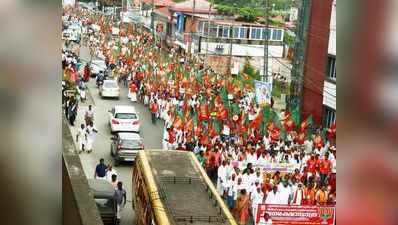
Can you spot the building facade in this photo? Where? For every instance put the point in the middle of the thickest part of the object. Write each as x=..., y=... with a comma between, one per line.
x=319, y=73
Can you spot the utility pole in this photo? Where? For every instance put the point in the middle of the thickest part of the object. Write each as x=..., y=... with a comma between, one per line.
x=230, y=51
x=153, y=19
x=299, y=55
x=191, y=29
x=207, y=37
x=266, y=38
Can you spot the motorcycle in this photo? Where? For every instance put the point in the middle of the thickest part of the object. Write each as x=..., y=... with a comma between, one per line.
x=100, y=79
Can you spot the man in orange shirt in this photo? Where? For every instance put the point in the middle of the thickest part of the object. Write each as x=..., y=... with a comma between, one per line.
x=325, y=168
x=311, y=166
x=309, y=195
x=321, y=196
x=154, y=110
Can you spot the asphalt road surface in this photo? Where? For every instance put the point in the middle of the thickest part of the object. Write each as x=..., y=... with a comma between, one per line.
x=152, y=135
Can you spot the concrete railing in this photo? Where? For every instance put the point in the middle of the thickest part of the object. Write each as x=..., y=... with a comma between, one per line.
x=78, y=205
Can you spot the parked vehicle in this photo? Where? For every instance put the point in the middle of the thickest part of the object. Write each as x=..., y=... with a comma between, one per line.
x=97, y=66
x=124, y=118
x=109, y=88
x=104, y=198
x=125, y=146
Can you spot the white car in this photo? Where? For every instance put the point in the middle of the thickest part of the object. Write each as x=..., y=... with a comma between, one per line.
x=124, y=118
x=109, y=88
x=97, y=66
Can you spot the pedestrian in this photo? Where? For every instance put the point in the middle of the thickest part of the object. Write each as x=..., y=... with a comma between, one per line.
x=89, y=115
x=121, y=199
x=257, y=197
x=110, y=172
x=72, y=111
x=266, y=220
x=114, y=180
x=242, y=207
x=321, y=196
x=91, y=134
x=273, y=197
x=81, y=138
x=100, y=170
x=154, y=110
x=86, y=73
x=133, y=91
x=221, y=178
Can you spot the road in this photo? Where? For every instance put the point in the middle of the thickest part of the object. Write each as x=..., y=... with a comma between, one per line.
x=152, y=135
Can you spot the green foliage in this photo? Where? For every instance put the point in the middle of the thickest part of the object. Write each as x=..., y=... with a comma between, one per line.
x=251, y=71
x=250, y=14
x=226, y=9
x=289, y=39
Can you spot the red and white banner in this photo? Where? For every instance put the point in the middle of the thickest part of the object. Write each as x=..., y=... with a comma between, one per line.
x=297, y=215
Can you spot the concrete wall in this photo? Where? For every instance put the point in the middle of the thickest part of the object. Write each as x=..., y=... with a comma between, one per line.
x=78, y=206
x=316, y=59
x=241, y=49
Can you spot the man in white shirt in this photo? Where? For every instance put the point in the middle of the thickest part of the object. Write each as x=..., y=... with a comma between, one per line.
x=273, y=197
x=284, y=191
x=266, y=220
x=257, y=198
x=221, y=178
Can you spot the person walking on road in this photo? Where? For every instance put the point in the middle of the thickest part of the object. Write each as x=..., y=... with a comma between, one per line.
x=91, y=134
x=110, y=172
x=89, y=115
x=121, y=199
x=81, y=138
x=72, y=111
x=154, y=110
x=100, y=170
x=114, y=181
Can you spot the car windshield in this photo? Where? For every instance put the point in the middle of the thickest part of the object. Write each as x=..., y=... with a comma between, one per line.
x=131, y=144
x=110, y=85
x=130, y=116
x=105, y=205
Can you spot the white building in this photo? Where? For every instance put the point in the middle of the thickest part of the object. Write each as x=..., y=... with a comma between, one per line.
x=68, y=3
x=329, y=89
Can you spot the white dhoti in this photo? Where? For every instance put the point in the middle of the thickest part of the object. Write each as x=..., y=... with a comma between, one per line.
x=164, y=145
x=220, y=187
x=81, y=144
x=89, y=145
x=133, y=96
x=146, y=100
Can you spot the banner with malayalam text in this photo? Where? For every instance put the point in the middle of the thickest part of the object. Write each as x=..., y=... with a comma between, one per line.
x=297, y=214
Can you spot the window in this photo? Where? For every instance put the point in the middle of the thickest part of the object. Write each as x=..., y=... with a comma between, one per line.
x=127, y=116
x=223, y=31
x=329, y=116
x=243, y=33
x=235, y=32
x=255, y=33
x=332, y=67
x=277, y=35
x=213, y=31
x=265, y=32
x=205, y=28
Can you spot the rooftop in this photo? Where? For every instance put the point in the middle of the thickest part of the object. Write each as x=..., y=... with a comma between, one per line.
x=201, y=6
x=183, y=191
x=159, y=3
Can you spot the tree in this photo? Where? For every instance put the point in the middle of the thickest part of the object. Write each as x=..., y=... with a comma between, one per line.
x=250, y=70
